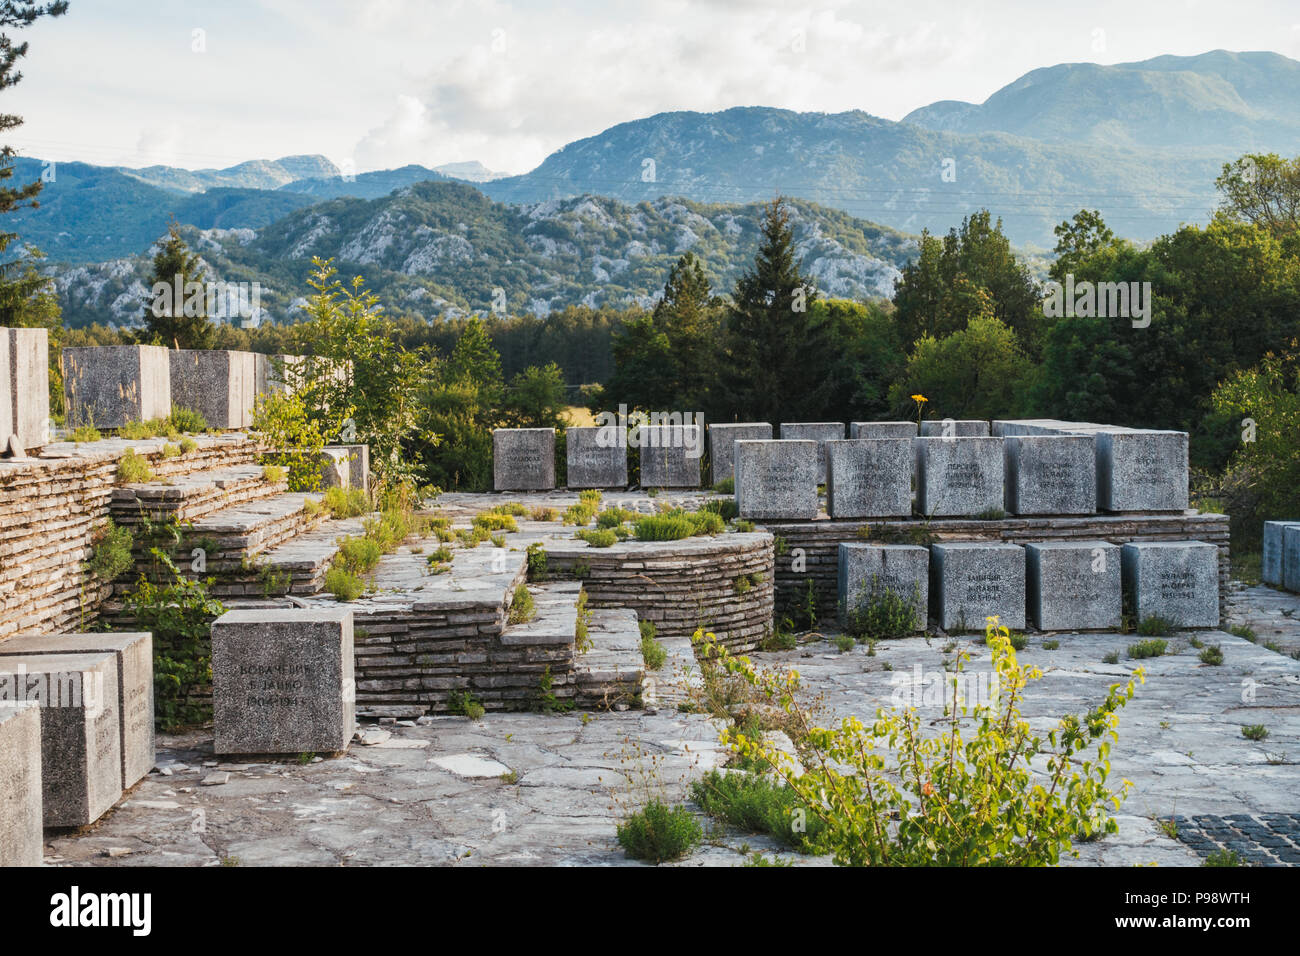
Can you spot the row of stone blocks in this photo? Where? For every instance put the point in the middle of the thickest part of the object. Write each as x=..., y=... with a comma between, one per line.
x=1055, y=585
x=76, y=730
x=111, y=385
x=1280, y=557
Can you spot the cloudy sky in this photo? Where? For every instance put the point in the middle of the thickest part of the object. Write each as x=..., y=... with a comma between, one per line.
x=375, y=84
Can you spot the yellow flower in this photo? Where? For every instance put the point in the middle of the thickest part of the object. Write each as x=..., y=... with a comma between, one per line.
x=919, y=398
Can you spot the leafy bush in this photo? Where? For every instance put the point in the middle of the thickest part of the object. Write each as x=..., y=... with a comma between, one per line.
x=889, y=795
x=86, y=433
x=664, y=527
x=1144, y=649
x=597, y=537
x=885, y=615
x=761, y=805
x=343, y=584
x=659, y=833
x=345, y=502
x=187, y=420
x=133, y=469
x=274, y=474
x=522, y=608
x=110, y=555
x=466, y=704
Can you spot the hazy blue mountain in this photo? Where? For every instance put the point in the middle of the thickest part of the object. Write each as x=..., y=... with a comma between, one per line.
x=470, y=172
x=255, y=174
x=364, y=185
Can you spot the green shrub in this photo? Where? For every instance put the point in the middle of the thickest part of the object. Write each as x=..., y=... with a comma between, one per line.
x=1051, y=645
x=1144, y=649
x=613, y=517
x=466, y=704
x=358, y=555
x=110, y=555
x=742, y=524
x=522, y=608
x=664, y=527
x=727, y=486
x=653, y=654
x=439, y=554
x=1018, y=640
x=659, y=833
x=137, y=431
x=582, y=625
x=759, y=804
x=706, y=522
x=187, y=420
x=514, y=508
x=1212, y=655
x=495, y=521
x=885, y=615
x=1156, y=625
x=133, y=469
x=544, y=514
x=579, y=514
x=345, y=502
x=170, y=451
x=343, y=584
x=778, y=639
x=1254, y=732
x=844, y=643
x=597, y=537
x=724, y=508
x=86, y=433
x=188, y=444
x=274, y=474
x=1111, y=657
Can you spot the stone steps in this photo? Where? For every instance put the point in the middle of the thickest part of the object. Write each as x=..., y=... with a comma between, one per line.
x=190, y=497
x=610, y=672
x=295, y=566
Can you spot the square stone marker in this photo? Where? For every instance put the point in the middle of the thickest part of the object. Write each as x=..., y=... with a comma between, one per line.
x=356, y=460
x=955, y=428
x=869, y=477
x=1006, y=427
x=81, y=733
x=596, y=456
x=134, y=653
x=1291, y=557
x=722, y=439
x=1141, y=470
x=1178, y=580
x=1050, y=474
x=282, y=681
x=883, y=430
x=218, y=383
x=868, y=570
x=523, y=459
x=670, y=455
x=1074, y=585
x=1272, y=561
x=776, y=479
x=821, y=432
x=21, y=817
x=958, y=476
x=29, y=386
x=110, y=385
x=974, y=580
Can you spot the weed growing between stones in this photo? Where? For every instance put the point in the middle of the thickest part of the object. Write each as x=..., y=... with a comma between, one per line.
x=1254, y=732
x=597, y=537
x=345, y=502
x=658, y=833
x=495, y=521
x=759, y=804
x=343, y=584
x=544, y=514
x=522, y=608
x=727, y=486
x=1156, y=625
x=170, y=451
x=537, y=570
x=581, y=628
x=133, y=468
x=1212, y=655
x=1245, y=632
x=653, y=654
x=274, y=474
x=886, y=615
x=1150, y=648
x=1222, y=858
x=465, y=704
x=110, y=555
x=85, y=433
x=545, y=700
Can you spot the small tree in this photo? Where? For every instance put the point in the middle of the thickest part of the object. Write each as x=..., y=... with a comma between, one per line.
x=175, y=307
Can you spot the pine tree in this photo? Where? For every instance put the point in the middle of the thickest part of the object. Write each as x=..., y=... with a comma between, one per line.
x=173, y=314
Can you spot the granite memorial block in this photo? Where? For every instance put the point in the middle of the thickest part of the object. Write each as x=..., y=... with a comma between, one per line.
x=1291, y=557
x=523, y=459
x=954, y=428
x=29, y=386
x=356, y=460
x=81, y=735
x=869, y=477
x=882, y=430
x=1141, y=470
x=670, y=455
x=1074, y=585
x=1177, y=580
x=971, y=581
x=1271, y=570
x=821, y=432
x=22, y=831
x=596, y=457
x=958, y=476
x=776, y=479
x=219, y=384
x=110, y=385
x=867, y=571
x=1050, y=474
x=134, y=654
x=722, y=439
x=282, y=681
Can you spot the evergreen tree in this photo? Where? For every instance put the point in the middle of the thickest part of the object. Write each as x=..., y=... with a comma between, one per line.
x=173, y=316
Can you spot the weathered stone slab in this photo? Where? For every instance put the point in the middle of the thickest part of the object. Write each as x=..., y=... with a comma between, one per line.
x=776, y=479
x=21, y=816
x=1050, y=474
x=1006, y=427
x=958, y=476
x=869, y=477
x=867, y=571
x=882, y=430
x=1141, y=470
x=821, y=432
x=523, y=459
x=134, y=654
x=282, y=681
x=670, y=455
x=1178, y=580
x=971, y=581
x=81, y=735
x=29, y=386
x=955, y=428
x=110, y=385
x=722, y=439
x=1272, y=557
x=1074, y=585
x=357, y=460
x=596, y=457
x=217, y=383
x=6, y=394
x=1291, y=557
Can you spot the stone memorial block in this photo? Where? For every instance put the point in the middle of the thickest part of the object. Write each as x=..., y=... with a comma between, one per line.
x=958, y=476
x=821, y=432
x=596, y=456
x=670, y=455
x=81, y=734
x=29, y=385
x=110, y=385
x=1272, y=569
x=867, y=571
x=1006, y=427
x=954, y=428
x=217, y=383
x=1050, y=474
x=1141, y=470
x=1074, y=585
x=882, y=430
x=134, y=654
x=348, y=465
x=1178, y=580
x=1291, y=557
x=776, y=479
x=523, y=459
x=22, y=831
x=6, y=395
x=869, y=477
x=974, y=580
x=722, y=439
x=282, y=681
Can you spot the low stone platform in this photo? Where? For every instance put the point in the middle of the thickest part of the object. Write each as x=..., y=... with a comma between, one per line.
x=192, y=496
